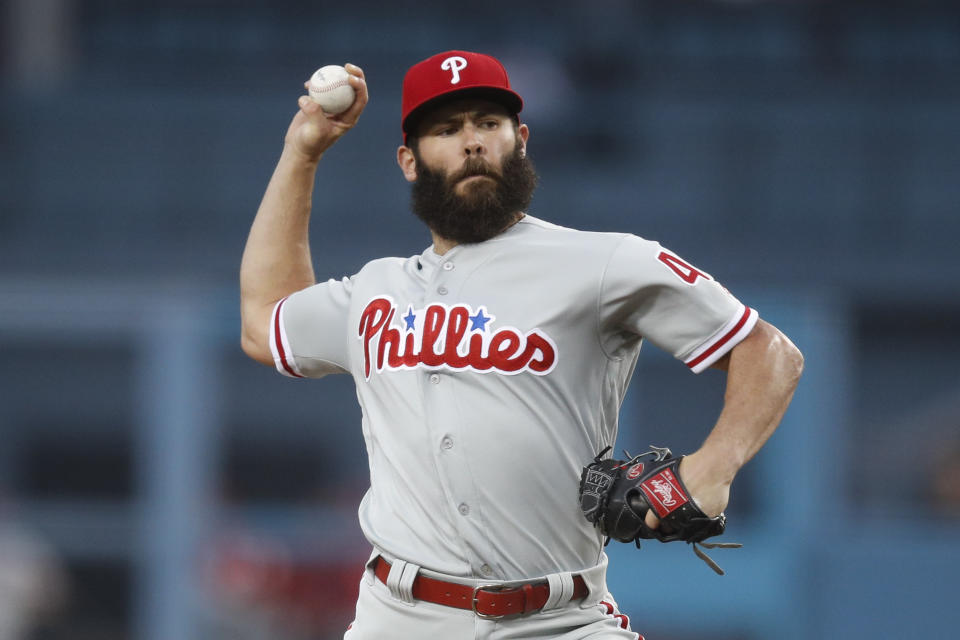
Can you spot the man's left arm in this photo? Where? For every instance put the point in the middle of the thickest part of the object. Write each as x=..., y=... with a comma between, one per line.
x=762, y=373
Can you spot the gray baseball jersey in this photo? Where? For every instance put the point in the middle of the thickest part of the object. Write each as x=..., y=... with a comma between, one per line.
x=490, y=375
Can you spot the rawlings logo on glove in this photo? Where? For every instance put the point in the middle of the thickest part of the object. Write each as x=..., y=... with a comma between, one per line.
x=615, y=495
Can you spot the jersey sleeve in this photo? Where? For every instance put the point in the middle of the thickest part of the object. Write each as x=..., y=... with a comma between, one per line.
x=308, y=330
x=650, y=292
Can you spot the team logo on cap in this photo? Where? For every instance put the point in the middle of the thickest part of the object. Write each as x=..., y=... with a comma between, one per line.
x=455, y=337
x=454, y=64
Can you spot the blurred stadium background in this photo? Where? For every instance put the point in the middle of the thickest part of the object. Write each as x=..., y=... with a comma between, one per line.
x=156, y=485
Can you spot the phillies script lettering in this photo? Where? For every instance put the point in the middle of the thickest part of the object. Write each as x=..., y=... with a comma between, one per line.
x=453, y=337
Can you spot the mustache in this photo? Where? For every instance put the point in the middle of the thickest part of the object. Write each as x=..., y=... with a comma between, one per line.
x=474, y=167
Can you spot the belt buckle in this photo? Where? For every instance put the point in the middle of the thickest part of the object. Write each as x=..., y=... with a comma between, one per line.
x=487, y=587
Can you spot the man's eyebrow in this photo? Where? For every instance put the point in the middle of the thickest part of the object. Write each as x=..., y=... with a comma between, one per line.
x=489, y=111
x=460, y=116
x=456, y=116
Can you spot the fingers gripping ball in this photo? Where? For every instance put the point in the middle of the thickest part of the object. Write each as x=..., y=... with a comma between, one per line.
x=615, y=495
x=330, y=88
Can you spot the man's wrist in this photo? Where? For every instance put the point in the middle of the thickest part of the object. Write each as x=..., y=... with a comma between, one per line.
x=294, y=154
x=712, y=464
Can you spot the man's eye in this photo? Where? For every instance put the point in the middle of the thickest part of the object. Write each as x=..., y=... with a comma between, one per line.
x=489, y=124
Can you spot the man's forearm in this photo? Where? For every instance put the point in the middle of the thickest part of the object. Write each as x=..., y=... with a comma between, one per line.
x=276, y=260
x=762, y=374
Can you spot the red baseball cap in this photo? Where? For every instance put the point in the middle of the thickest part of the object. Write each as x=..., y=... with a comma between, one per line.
x=454, y=73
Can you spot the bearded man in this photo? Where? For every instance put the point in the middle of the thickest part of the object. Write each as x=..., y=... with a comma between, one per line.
x=490, y=368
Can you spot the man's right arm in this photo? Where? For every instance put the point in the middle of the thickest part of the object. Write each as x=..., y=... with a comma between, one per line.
x=276, y=260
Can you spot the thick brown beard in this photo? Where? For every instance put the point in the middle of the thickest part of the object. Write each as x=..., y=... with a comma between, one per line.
x=484, y=210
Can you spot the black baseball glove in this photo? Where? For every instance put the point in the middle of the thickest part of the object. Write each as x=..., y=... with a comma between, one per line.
x=615, y=496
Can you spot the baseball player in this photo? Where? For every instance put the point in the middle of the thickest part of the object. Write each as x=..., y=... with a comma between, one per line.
x=490, y=368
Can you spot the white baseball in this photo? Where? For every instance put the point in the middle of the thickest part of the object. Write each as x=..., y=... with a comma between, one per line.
x=329, y=87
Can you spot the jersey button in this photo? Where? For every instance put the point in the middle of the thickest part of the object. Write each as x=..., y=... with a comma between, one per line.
x=447, y=443
x=448, y=266
x=442, y=291
x=434, y=379
x=486, y=570
x=464, y=508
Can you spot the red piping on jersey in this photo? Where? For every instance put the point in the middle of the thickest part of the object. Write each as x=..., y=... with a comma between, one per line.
x=722, y=341
x=279, y=342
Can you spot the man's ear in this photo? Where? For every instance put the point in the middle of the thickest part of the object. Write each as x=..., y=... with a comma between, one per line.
x=524, y=132
x=407, y=162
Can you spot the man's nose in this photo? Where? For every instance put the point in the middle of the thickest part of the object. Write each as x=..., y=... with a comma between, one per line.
x=473, y=141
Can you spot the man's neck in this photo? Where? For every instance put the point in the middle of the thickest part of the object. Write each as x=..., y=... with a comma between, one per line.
x=442, y=245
